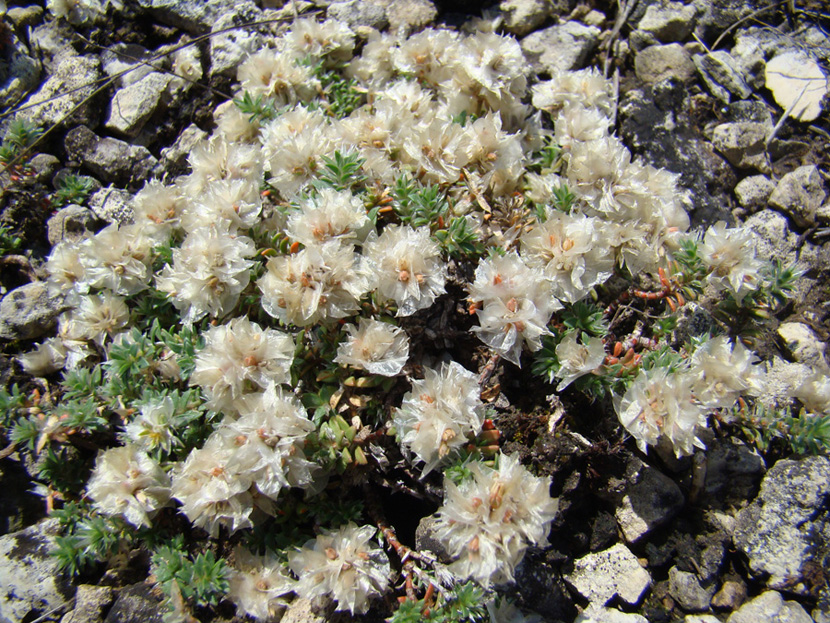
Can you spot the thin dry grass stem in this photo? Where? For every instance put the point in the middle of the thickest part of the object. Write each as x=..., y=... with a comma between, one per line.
x=744, y=19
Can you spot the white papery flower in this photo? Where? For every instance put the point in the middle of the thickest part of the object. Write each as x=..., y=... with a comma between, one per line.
x=660, y=404
x=375, y=346
x=729, y=253
x=236, y=202
x=577, y=359
x=240, y=357
x=212, y=494
x=439, y=149
x=47, y=357
x=280, y=75
x=234, y=125
x=344, y=564
x=594, y=167
x=725, y=372
x=157, y=209
x=208, y=273
x=586, y=88
x=321, y=282
x=187, y=64
x=328, y=215
x=216, y=159
x=514, y=304
x=407, y=267
x=576, y=124
x=128, y=483
x=441, y=413
x=814, y=392
x=488, y=521
x=331, y=40
x=267, y=441
x=153, y=426
x=116, y=258
x=258, y=585
x=64, y=267
x=98, y=317
x=571, y=253
x=428, y=56
x=374, y=65
x=497, y=155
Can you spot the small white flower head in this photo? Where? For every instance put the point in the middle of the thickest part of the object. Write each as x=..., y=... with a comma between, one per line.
x=278, y=74
x=48, y=357
x=157, y=209
x=408, y=267
x=235, y=201
x=659, y=404
x=344, y=564
x=128, y=483
x=488, y=521
x=441, y=413
x=429, y=56
x=586, y=88
x=208, y=273
x=814, y=392
x=216, y=159
x=98, y=317
x=577, y=124
x=152, y=428
x=330, y=214
x=330, y=40
x=116, y=258
x=321, y=282
x=241, y=357
x=259, y=585
x=725, y=372
x=577, y=359
x=375, y=346
x=64, y=267
x=570, y=251
x=186, y=63
x=730, y=255
x=212, y=494
x=268, y=441
x=514, y=302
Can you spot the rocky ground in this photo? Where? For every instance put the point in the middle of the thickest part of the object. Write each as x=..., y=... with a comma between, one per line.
x=704, y=89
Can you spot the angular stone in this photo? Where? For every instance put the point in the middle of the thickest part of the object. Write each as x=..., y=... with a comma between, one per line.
x=523, y=16
x=410, y=14
x=796, y=80
x=71, y=224
x=194, y=17
x=112, y=205
x=71, y=85
x=138, y=603
x=730, y=596
x=360, y=13
x=733, y=472
x=594, y=614
x=743, y=144
x=749, y=58
x=19, y=72
x=132, y=106
x=560, y=48
x=776, y=531
x=721, y=74
x=228, y=49
x=799, y=194
x=803, y=344
x=685, y=588
x=601, y=576
x=91, y=602
x=671, y=22
x=754, y=191
x=658, y=62
x=29, y=311
x=651, y=499
x=109, y=159
x=125, y=63
x=770, y=607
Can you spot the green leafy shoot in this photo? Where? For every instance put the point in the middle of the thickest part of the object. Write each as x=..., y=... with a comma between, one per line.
x=459, y=239
x=260, y=109
x=341, y=172
x=545, y=361
x=11, y=404
x=20, y=135
x=563, y=199
x=548, y=159
x=88, y=538
x=202, y=581
x=804, y=434
x=72, y=189
x=463, y=117
x=464, y=603
x=343, y=95
x=9, y=243
x=417, y=205
x=585, y=317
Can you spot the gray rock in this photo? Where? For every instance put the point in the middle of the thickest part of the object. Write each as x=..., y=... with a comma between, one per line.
x=722, y=76
x=195, y=17
x=560, y=48
x=743, y=144
x=749, y=58
x=124, y=62
x=175, y=156
x=782, y=379
x=770, y=607
x=229, y=49
x=109, y=159
x=668, y=23
x=777, y=241
x=523, y=16
x=19, y=72
x=749, y=110
x=91, y=603
x=132, y=106
x=410, y=15
x=302, y=611
x=754, y=191
x=53, y=41
x=730, y=596
x=715, y=16
x=25, y=16
x=71, y=85
x=43, y=167
x=601, y=576
x=733, y=472
x=650, y=500
x=542, y=590
x=700, y=618
x=360, y=13
x=29, y=311
x=71, y=224
x=658, y=62
x=112, y=205
x=594, y=614
x=776, y=530
x=799, y=195
x=425, y=538
x=685, y=588
x=138, y=603
x=31, y=583
x=803, y=344
x=692, y=321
